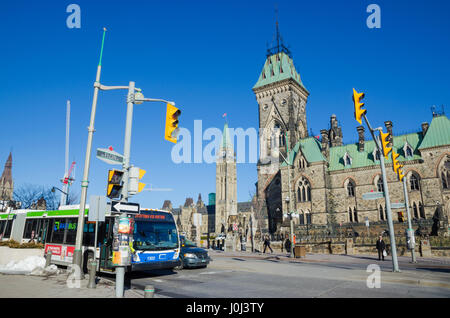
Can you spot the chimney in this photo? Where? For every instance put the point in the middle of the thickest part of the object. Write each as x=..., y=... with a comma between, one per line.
x=325, y=144
x=425, y=126
x=360, y=130
x=389, y=125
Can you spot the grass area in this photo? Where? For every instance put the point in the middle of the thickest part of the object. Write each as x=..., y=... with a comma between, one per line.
x=15, y=244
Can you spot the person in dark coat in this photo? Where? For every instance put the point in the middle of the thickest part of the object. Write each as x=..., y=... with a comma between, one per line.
x=381, y=246
x=287, y=245
x=267, y=244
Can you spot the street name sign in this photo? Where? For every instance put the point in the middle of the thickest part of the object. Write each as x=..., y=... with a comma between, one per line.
x=125, y=207
x=396, y=205
x=372, y=195
x=109, y=156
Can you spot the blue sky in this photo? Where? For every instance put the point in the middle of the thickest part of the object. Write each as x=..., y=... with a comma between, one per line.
x=206, y=56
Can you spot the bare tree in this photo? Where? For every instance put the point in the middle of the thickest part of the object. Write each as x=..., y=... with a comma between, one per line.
x=36, y=197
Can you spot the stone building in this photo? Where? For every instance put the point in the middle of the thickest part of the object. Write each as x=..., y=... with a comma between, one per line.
x=6, y=184
x=323, y=180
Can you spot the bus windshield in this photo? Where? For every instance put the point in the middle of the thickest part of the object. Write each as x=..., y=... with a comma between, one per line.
x=155, y=236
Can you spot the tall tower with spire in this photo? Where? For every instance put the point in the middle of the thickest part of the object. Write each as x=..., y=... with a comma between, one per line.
x=281, y=98
x=6, y=181
x=226, y=185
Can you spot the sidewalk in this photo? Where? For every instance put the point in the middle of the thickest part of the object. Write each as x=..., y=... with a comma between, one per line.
x=341, y=258
x=56, y=286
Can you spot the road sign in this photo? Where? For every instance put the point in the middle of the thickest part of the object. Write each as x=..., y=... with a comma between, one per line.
x=400, y=205
x=109, y=156
x=372, y=195
x=97, y=208
x=125, y=207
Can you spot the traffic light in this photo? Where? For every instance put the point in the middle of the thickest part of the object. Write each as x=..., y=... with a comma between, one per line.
x=114, y=188
x=134, y=186
x=172, y=123
x=396, y=165
x=357, y=97
x=385, y=143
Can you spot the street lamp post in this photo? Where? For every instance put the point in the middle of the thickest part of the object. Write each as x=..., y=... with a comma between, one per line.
x=410, y=231
x=66, y=194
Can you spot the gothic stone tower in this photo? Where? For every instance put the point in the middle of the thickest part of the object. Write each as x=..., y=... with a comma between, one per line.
x=226, y=189
x=6, y=181
x=281, y=99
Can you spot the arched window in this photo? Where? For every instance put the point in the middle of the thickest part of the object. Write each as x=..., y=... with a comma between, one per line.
x=303, y=190
x=445, y=173
x=350, y=215
x=422, y=210
x=350, y=188
x=280, y=133
x=380, y=185
x=308, y=217
x=416, y=213
x=355, y=215
x=414, y=182
x=444, y=178
x=409, y=152
x=302, y=217
x=381, y=213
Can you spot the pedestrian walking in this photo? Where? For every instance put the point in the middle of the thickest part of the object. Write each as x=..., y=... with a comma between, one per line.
x=381, y=246
x=287, y=245
x=267, y=244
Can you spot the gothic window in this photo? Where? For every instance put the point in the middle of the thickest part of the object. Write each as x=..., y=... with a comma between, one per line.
x=381, y=213
x=414, y=182
x=303, y=190
x=347, y=160
x=308, y=217
x=421, y=210
x=380, y=186
x=350, y=215
x=355, y=215
x=302, y=218
x=415, y=212
x=444, y=178
x=350, y=188
x=445, y=173
x=409, y=152
x=376, y=155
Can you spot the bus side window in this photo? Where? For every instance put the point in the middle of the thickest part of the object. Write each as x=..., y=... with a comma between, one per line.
x=71, y=230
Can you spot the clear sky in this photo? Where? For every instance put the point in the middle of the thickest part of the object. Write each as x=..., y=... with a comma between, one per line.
x=206, y=56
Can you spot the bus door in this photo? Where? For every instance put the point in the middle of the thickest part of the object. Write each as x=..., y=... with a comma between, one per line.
x=105, y=237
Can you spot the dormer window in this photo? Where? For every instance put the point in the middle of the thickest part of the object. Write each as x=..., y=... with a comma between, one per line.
x=376, y=154
x=347, y=160
x=407, y=150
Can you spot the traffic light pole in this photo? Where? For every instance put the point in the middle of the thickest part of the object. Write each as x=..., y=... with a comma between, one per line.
x=410, y=231
x=77, y=254
x=386, y=196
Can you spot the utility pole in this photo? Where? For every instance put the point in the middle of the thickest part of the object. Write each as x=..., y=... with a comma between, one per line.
x=359, y=114
x=120, y=270
x=410, y=231
x=77, y=254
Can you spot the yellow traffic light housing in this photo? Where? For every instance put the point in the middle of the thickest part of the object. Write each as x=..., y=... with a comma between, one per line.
x=395, y=163
x=172, y=129
x=357, y=97
x=114, y=188
x=385, y=144
x=134, y=185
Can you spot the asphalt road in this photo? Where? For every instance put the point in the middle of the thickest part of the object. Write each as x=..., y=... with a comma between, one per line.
x=266, y=276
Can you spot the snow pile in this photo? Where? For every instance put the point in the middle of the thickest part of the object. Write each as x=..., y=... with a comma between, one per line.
x=32, y=265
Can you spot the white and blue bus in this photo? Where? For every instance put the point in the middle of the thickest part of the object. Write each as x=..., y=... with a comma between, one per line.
x=156, y=242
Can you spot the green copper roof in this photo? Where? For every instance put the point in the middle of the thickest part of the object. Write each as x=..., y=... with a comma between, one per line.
x=226, y=141
x=278, y=67
x=311, y=149
x=438, y=134
x=366, y=158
